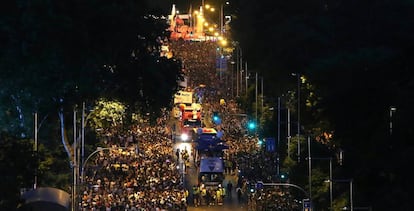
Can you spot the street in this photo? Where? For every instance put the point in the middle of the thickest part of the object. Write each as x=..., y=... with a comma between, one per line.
x=190, y=179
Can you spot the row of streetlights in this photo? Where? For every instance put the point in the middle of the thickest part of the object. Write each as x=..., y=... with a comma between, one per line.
x=77, y=159
x=239, y=83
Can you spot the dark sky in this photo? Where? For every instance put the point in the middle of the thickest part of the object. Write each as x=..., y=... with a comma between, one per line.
x=181, y=5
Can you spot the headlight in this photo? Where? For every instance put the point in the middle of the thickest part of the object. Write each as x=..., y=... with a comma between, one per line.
x=184, y=137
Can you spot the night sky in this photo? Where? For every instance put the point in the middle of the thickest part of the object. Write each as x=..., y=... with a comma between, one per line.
x=181, y=5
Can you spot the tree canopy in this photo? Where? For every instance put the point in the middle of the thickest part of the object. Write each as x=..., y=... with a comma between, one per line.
x=55, y=55
x=357, y=57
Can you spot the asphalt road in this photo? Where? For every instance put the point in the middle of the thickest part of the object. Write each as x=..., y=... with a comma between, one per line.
x=230, y=203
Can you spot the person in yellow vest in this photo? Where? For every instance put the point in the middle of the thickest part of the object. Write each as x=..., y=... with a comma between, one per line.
x=223, y=193
x=186, y=194
x=203, y=193
x=218, y=196
x=196, y=195
x=187, y=165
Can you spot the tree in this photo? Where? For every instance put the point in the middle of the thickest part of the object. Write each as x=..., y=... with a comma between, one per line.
x=107, y=117
x=55, y=55
x=16, y=164
x=356, y=55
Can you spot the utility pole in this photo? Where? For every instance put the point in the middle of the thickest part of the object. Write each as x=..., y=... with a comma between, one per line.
x=83, y=134
x=256, y=95
x=74, y=164
x=247, y=77
x=392, y=110
x=262, y=86
x=35, y=150
x=278, y=134
x=298, y=78
x=288, y=132
x=310, y=168
x=299, y=119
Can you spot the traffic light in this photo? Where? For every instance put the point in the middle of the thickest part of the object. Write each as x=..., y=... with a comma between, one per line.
x=251, y=125
x=260, y=142
x=252, y=187
x=216, y=118
x=283, y=176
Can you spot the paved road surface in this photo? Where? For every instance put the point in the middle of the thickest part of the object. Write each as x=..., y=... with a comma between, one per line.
x=190, y=179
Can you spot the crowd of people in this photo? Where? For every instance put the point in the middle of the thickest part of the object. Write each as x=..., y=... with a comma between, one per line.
x=199, y=61
x=138, y=173
x=141, y=170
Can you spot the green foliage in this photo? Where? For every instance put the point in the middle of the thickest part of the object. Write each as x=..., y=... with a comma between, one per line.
x=55, y=55
x=59, y=54
x=17, y=166
x=107, y=117
x=357, y=57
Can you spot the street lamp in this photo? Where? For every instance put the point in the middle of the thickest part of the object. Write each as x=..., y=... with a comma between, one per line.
x=392, y=110
x=239, y=68
x=310, y=158
x=330, y=178
x=37, y=127
x=99, y=149
x=247, y=76
x=351, y=195
x=298, y=96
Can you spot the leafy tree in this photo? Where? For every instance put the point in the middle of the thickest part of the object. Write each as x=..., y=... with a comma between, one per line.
x=357, y=56
x=55, y=55
x=59, y=54
x=16, y=164
x=107, y=117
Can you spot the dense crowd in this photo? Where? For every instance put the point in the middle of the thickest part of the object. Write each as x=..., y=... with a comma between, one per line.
x=199, y=61
x=140, y=171
x=141, y=176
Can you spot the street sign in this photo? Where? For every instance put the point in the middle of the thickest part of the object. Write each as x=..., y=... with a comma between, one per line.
x=259, y=185
x=307, y=206
x=270, y=144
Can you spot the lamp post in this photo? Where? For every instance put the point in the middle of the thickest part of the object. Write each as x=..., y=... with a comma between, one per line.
x=35, y=149
x=256, y=93
x=330, y=178
x=37, y=127
x=246, y=78
x=99, y=149
x=310, y=169
x=288, y=132
x=298, y=96
x=310, y=158
x=232, y=78
x=75, y=165
x=84, y=122
x=239, y=68
x=392, y=110
x=351, y=187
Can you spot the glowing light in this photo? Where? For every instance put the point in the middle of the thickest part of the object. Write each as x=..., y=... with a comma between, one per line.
x=184, y=137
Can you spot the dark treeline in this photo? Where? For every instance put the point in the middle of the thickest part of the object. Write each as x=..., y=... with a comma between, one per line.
x=357, y=59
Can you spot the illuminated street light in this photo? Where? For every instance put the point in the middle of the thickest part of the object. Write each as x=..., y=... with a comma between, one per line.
x=393, y=109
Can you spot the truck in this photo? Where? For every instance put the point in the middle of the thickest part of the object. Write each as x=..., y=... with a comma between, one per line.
x=211, y=171
x=191, y=118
